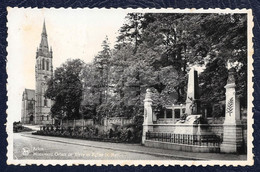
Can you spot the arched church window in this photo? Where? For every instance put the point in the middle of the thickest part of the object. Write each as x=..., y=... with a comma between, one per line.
x=39, y=66
x=47, y=65
x=43, y=64
x=30, y=106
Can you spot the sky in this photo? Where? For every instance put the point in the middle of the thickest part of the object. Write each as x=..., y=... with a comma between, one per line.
x=74, y=33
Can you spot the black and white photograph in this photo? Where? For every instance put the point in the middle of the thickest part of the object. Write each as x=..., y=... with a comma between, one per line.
x=129, y=86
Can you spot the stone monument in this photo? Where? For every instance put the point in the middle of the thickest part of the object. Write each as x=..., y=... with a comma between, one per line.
x=232, y=132
x=191, y=123
x=148, y=114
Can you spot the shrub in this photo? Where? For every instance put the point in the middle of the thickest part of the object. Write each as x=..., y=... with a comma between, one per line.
x=130, y=133
x=18, y=127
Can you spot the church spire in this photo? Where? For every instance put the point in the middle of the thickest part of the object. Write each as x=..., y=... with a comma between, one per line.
x=44, y=41
x=44, y=33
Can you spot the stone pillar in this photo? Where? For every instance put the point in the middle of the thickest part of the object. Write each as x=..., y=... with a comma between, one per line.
x=154, y=118
x=148, y=114
x=232, y=131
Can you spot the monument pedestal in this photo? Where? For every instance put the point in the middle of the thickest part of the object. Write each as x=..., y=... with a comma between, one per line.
x=232, y=139
x=188, y=126
x=146, y=128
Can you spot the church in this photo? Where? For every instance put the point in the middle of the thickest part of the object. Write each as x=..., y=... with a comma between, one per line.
x=35, y=106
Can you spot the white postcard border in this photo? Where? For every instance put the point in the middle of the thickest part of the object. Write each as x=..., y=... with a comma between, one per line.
x=250, y=121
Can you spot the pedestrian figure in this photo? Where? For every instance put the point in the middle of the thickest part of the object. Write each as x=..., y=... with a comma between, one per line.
x=96, y=131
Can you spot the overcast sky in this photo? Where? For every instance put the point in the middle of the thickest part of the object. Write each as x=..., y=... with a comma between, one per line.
x=71, y=33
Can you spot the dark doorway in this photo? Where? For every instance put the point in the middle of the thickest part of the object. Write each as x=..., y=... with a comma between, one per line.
x=31, y=119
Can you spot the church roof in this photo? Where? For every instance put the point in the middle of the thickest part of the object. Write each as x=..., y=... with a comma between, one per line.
x=29, y=94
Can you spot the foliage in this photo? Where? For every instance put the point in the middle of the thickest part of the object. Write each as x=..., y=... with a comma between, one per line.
x=156, y=51
x=226, y=44
x=130, y=32
x=18, y=127
x=95, y=82
x=218, y=111
x=127, y=134
x=65, y=89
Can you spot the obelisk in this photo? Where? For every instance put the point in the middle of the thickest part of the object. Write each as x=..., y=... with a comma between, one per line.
x=192, y=103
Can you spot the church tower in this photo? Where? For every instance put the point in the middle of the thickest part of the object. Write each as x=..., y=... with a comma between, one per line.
x=43, y=72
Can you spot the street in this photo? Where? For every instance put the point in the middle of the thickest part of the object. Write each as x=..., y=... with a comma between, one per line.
x=28, y=146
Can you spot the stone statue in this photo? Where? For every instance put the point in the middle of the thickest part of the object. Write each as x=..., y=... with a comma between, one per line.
x=231, y=76
x=148, y=94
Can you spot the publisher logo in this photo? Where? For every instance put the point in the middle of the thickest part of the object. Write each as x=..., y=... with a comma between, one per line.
x=25, y=151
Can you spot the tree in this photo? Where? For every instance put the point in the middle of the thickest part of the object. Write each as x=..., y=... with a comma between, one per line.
x=89, y=77
x=156, y=50
x=228, y=44
x=102, y=64
x=95, y=78
x=65, y=89
x=163, y=47
x=185, y=40
x=130, y=32
x=213, y=80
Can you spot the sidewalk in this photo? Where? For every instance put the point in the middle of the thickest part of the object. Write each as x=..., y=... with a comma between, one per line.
x=33, y=127
x=137, y=148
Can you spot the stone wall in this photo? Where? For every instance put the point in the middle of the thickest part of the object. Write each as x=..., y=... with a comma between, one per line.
x=106, y=123
x=78, y=122
x=115, y=121
x=215, y=128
